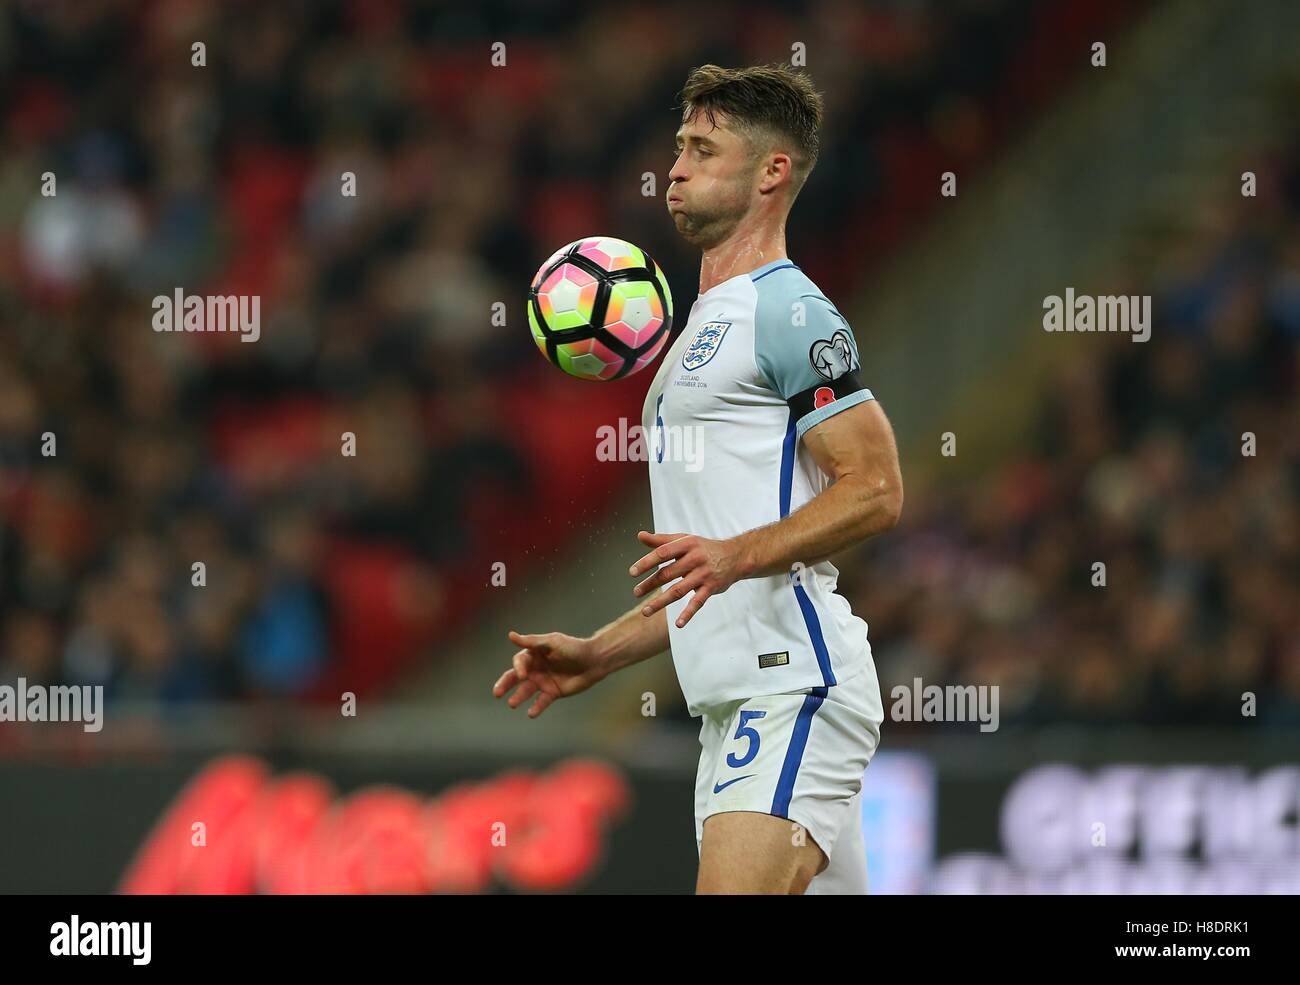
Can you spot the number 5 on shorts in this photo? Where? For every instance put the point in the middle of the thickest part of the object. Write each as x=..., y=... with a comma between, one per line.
x=745, y=731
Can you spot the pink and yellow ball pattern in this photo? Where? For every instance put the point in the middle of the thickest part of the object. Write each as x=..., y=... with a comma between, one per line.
x=600, y=309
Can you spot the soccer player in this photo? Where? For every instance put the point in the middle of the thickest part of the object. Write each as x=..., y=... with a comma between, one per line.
x=796, y=463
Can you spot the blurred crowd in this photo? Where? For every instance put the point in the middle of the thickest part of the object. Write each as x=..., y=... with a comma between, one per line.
x=1176, y=464
x=178, y=518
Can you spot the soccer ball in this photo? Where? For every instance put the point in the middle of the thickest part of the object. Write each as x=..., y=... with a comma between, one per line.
x=600, y=309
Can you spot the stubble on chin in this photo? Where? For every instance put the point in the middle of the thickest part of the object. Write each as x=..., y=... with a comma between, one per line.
x=700, y=231
x=687, y=227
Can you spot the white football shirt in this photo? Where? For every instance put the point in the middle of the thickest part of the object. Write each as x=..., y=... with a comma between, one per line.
x=763, y=357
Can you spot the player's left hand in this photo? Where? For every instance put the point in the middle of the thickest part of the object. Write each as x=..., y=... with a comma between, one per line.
x=705, y=567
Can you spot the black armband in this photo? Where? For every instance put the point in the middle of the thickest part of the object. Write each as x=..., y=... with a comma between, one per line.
x=819, y=396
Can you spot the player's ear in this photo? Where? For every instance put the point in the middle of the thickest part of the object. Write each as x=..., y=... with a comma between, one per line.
x=777, y=172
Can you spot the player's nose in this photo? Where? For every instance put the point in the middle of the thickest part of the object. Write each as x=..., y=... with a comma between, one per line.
x=678, y=171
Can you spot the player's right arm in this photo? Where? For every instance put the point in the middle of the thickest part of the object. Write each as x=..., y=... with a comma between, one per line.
x=556, y=665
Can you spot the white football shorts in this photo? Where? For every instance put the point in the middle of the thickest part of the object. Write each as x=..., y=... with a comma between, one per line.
x=799, y=755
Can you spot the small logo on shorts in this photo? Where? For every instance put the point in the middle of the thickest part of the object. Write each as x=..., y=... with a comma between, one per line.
x=773, y=659
x=719, y=787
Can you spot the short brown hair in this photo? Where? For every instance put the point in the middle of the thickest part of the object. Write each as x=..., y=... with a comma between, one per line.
x=767, y=98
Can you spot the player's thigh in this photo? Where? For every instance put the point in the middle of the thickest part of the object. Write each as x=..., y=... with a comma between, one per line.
x=745, y=852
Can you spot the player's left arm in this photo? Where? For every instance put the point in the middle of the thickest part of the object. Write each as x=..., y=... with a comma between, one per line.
x=856, y=449
x=813, y=365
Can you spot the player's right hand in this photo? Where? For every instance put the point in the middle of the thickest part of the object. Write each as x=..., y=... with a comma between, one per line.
x=549, y=665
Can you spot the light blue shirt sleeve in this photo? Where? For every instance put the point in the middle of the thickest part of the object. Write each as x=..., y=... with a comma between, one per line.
x=805, y=349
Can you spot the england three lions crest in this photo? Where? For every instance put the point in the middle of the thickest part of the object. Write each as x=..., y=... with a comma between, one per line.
x=705, y=344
